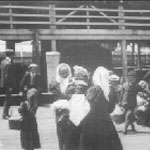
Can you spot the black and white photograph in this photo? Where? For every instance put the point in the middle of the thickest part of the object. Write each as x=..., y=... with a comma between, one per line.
x=74, y=75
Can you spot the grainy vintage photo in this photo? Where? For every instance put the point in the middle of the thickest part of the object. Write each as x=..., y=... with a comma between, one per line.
x=75, y=75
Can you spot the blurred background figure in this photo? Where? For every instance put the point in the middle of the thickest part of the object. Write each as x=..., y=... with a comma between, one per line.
x=8, y=82
x=129, y=101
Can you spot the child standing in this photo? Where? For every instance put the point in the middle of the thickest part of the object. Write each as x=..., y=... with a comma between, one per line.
x=29, y=132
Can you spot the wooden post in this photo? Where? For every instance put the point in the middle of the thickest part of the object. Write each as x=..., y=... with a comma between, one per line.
x=132, y=56
x=53, y=45
x=123, y=47
x=52, y=19
x=45, y=46
x=87, y=19
x=10, y=17
x=139, y=57
x=52, y=16
x=36, y=49
x=10, y=44
x=124, y=59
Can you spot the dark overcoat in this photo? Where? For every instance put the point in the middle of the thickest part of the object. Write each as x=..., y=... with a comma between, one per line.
x=98, y=131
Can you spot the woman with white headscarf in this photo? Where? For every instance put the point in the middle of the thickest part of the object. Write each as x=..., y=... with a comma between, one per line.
x=63, y=81
x=63, y=88
x=98, y=131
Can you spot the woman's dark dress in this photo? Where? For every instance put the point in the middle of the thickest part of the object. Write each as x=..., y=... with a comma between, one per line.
x=98, y=131
x=63, y=125
x=29, y=132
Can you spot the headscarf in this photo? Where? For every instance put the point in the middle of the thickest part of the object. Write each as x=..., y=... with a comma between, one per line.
x=64, y=82
x=101, y=78
x=81, y=75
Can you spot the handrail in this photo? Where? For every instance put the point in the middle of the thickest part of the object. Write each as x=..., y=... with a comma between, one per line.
x=73, y=8
x=75, y=16
x=25, y=7
x=58, y=16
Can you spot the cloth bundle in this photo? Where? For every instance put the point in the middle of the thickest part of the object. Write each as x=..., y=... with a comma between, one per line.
x=79, y=108
x=118, y=115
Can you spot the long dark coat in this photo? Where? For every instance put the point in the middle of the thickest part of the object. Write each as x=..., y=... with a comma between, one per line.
x=29, y=132
x=98, y=131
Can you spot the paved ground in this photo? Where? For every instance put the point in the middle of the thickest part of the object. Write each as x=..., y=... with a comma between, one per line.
x=9, y=139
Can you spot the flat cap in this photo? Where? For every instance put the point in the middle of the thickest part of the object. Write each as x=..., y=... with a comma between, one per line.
x=33, y=66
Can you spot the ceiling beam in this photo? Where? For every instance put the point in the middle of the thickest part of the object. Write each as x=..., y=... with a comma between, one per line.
x=75, y=34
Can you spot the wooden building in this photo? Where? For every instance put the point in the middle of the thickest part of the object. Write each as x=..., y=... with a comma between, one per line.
x=84, y=30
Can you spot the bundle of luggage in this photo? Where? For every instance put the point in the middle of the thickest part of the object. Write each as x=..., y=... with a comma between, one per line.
x=118, y=115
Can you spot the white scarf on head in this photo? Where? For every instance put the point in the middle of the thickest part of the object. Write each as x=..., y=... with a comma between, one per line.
x=101, y=78
x=64, y=82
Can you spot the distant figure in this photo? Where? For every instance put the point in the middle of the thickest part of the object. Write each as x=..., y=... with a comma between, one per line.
x=98, y=131
x=8, y=82
x=31, y=86
x=129, y=101
x=29, y=130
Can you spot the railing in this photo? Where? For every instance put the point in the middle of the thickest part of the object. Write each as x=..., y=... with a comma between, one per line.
x=131, y=60
x=23, y=60
x=83, y=17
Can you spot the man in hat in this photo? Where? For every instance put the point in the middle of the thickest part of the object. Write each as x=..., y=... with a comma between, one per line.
x=8, y=82
x=31, y=86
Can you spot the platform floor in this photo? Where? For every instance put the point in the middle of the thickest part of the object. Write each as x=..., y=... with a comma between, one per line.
x=10, y=140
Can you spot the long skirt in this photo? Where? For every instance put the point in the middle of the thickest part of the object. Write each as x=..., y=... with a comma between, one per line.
x=29, y=135
x=99, y=135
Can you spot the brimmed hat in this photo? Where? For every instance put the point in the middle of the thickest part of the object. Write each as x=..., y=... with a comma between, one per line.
x=33, y=66
x=81, y=82
x=114, y=77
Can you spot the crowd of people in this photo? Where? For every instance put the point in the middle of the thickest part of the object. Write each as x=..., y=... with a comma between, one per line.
x=83, y=109
x=83, y=105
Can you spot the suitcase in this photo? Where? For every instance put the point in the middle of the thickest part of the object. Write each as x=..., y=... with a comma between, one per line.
x=14, y=123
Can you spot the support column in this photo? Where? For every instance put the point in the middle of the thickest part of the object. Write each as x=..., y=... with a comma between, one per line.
x=123, y=45
x=53, y=45
x=36, y=51
x=52, y=20
x=10, y=44
x=45, y=46
x=139, y=57
x=124, y=59
x=132, y=56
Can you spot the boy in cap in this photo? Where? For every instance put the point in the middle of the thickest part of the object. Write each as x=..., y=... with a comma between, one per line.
x=31, y=86
x=129, y=102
